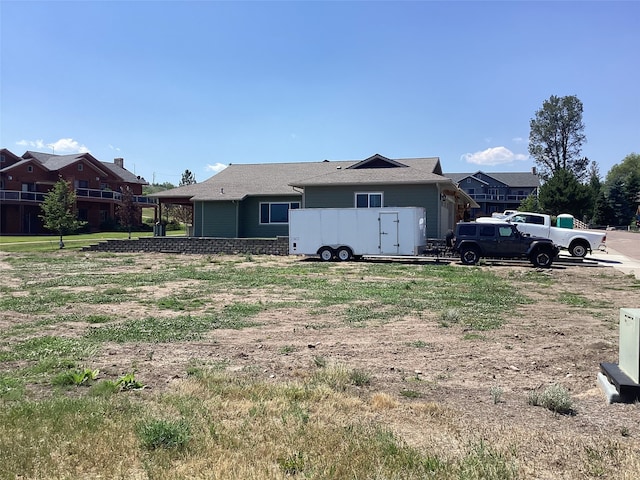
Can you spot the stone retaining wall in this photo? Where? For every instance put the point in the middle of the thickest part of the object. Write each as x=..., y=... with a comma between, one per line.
x=196, y=245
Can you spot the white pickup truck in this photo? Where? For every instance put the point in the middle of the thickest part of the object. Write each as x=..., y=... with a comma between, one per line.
x=578, y=242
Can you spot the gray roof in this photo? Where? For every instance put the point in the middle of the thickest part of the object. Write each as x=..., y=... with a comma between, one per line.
x=417, y=171
x=512, y=179
x=54, y=162
x=241, y=180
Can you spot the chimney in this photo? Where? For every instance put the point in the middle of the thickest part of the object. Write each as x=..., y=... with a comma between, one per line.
x=119, y=162
x=534, y=170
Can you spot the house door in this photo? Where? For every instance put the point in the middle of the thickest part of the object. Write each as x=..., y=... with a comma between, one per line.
x=388, y=222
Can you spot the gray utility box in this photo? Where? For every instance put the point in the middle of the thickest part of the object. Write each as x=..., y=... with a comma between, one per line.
x=629, y=345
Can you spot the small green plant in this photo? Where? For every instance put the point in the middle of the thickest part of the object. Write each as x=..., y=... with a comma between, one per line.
x=360, y=378
x=293, y=464
x=450, y=316
x=319, y=361
x=105, y=388
x=496, y=394
x=164, y=434
x=417, y=344
x=410, y=394
x=287, y=349
x=76, y=377
x=555, y=398
x=129, y=382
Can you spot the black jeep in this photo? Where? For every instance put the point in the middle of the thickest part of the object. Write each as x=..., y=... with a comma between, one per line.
x=501, y=240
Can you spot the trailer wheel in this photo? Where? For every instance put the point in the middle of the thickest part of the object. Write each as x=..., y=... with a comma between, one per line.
x=344, y=254
x=326, y=254
x=579, y=248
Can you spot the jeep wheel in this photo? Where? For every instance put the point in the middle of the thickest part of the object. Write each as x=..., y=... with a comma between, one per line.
x=541, y=259
x=469, y=255
x=578, y=248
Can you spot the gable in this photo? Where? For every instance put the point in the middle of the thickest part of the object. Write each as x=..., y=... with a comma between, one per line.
x=377, y=161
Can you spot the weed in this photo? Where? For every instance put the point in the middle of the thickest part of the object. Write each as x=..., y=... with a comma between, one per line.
x=155, y=434
x=417, y=344
x=286, y=350
x=450, y=316
x=76, y=377
x=319, y=361
x=360, y=378
x=555, y=398
x=292, y=464
x=410, y=394
x=129, y=382
x=496, y=394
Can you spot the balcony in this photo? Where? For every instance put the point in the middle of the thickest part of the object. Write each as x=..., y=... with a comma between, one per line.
x=81, y=193
x=486, y=197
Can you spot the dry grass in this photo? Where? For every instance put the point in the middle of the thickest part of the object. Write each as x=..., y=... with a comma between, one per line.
x=308, y=390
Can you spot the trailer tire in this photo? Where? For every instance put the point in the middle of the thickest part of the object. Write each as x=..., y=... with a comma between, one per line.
x=326, y=254
x=344, y=254
x=578, y=248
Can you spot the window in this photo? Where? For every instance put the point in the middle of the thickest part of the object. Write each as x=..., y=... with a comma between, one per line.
x=1, y=158
x=30, y=168
x=466, y=230
x=487, y=231
x=80, y=167
x=506, y=231
x=276, y=212
x=82, y=183
x=368, y=200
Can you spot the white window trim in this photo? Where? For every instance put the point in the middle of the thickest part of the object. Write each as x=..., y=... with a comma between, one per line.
x=368, y=194
x=260, y=222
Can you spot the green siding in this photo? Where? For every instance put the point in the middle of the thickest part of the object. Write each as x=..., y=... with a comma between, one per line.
x=215, y=219
x=393, y=196
x=250, y=226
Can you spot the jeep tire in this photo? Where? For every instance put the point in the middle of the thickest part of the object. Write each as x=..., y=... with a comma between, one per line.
x=469, y=255
x=541, y=258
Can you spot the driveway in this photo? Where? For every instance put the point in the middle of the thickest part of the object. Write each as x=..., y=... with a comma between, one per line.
x=623, y=252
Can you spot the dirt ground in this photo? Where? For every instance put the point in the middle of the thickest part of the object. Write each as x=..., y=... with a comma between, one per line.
x=540, y=344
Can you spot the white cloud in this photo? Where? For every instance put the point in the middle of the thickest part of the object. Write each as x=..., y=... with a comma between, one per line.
x=117, y=149
x=62, y=146
x=518, y=140
x=493, y=156
x=215, y=168
x=39, y=144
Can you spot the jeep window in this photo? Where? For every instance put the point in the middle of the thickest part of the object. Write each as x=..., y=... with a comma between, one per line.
x=466, y=230
x=487, y=231
x=506, y=231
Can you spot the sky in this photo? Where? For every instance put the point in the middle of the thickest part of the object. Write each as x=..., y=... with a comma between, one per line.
x=197, y=85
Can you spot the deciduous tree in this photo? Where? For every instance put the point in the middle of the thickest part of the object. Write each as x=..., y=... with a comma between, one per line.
x=127, y=211
x=556, y=137
x=59, y=210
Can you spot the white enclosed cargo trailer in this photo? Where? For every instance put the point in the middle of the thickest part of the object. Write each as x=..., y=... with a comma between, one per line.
x=345, y=233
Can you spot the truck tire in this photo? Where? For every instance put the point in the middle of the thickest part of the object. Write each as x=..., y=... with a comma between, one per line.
x=578, y=248
x=541, y=258
x=326, y=254
x=344, y=254
x=469, y=255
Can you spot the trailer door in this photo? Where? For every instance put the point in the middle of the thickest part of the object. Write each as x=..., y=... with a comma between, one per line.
x=389, y=223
